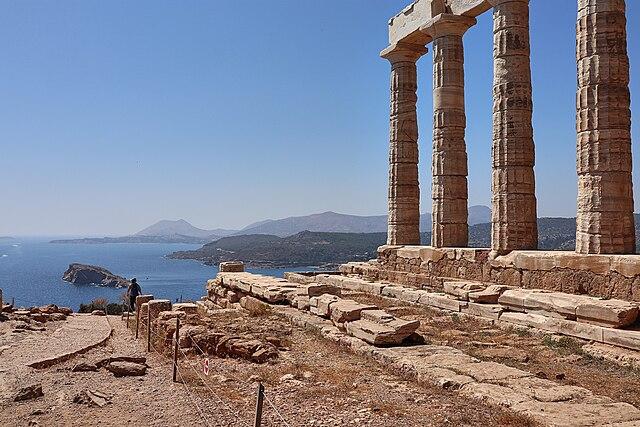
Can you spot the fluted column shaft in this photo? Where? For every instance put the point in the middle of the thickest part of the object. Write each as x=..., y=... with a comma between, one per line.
x=404, y=188
x=605, y=222
x=514, y=210
x=449, y=163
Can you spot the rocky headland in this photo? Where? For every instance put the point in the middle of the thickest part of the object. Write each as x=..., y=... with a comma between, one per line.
x=83, y=274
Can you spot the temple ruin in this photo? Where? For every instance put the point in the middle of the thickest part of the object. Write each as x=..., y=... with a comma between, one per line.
x=605, y=234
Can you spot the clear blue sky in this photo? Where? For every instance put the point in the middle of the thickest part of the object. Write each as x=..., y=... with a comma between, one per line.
x=119, y=113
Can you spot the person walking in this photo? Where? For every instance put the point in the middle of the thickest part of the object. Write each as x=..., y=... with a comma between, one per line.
x=133, y=291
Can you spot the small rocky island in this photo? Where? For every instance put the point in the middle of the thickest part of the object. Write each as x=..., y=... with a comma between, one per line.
x=83, y=274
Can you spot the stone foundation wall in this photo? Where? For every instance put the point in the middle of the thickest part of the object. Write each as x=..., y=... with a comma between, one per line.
x=607, y=276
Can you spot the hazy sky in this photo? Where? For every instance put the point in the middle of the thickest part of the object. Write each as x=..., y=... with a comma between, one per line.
x=118, y=113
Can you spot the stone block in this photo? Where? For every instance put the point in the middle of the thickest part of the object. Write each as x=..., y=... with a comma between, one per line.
x=513, y=299
x=487, y=311
x=532, y=320
x=142, y=299
x=608, y=313
x=580, y=330
x=345, y=310
x=323, y=305
x=317, y=289
x=410, y=295
x=156, y=306
x=461, y=290
x=622, y=338
x=550, y=303
x=393, y=291
x=489, y=295
x=186, y=307
x=445, y=303
x=254, y=305
x=232, y=267
x=384, y=332
x=302, y=303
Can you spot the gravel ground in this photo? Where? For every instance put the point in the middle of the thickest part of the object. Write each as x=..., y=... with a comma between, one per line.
x=313, y=382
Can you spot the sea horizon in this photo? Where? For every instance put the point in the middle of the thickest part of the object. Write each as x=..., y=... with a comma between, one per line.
x=31, y=271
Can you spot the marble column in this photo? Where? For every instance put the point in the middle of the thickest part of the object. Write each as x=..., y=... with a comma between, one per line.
x=404, y=189
x=514, y=211
x=449, y=163
x=605, y=222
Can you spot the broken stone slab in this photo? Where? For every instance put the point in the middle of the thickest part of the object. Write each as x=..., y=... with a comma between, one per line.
x=317, y=289
x=320, y=306
x=461, y=290
x=495, y=394
x=127, y=369
x=579, y=414
x=392, y=291
x=609, y=313
x=547, y=391
x=28, y=393
x=92, y=397
x=621, y=338
x=382, y=334
x=84, y=367
x=411, y=295
x=302, y=303
x=254, y=305
x=531, y=320
x=489, y=295
x=442, y=301
x=513, y=299
x=345, y=310
x=186, y=307
x=487, y=311
x=142, y=360
x=554, y=304
x=231, y=267
x=490, y=371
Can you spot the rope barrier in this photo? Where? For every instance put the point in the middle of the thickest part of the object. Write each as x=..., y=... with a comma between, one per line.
x=234, y=413
x=186, y=387
x=245, y=382
x=227, y=406
x=275, y=409
x=204, y=382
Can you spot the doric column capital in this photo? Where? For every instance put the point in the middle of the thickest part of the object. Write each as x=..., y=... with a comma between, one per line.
x=495, y=3
x=402, y=52
x=447, y=24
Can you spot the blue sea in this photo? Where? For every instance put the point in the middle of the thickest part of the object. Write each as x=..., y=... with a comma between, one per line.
x=31, y=271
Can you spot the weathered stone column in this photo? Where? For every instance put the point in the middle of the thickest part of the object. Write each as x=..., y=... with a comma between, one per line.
x=449, y=164
x=404, y=189
x=605, y=222
x=514, y=217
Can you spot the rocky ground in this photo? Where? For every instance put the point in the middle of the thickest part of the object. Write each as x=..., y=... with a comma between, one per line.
x=561, y=359
x=312, y=382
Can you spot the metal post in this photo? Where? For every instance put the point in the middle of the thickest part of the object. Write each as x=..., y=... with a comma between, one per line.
x=128, y=312
x=137, y=321
x=175, y=350
x=259, y=402
x=148, y=331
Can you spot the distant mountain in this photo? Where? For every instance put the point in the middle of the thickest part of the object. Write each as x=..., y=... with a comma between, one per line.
x=317, y=248
x=331, y=222
x=6, y=239
x=183, y=228
x=176, y=238
x=302, y=249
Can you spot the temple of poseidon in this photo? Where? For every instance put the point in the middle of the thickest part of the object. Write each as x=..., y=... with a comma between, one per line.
x=603, y=263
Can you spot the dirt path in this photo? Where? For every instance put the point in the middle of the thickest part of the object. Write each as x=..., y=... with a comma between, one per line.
x=152, y=400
